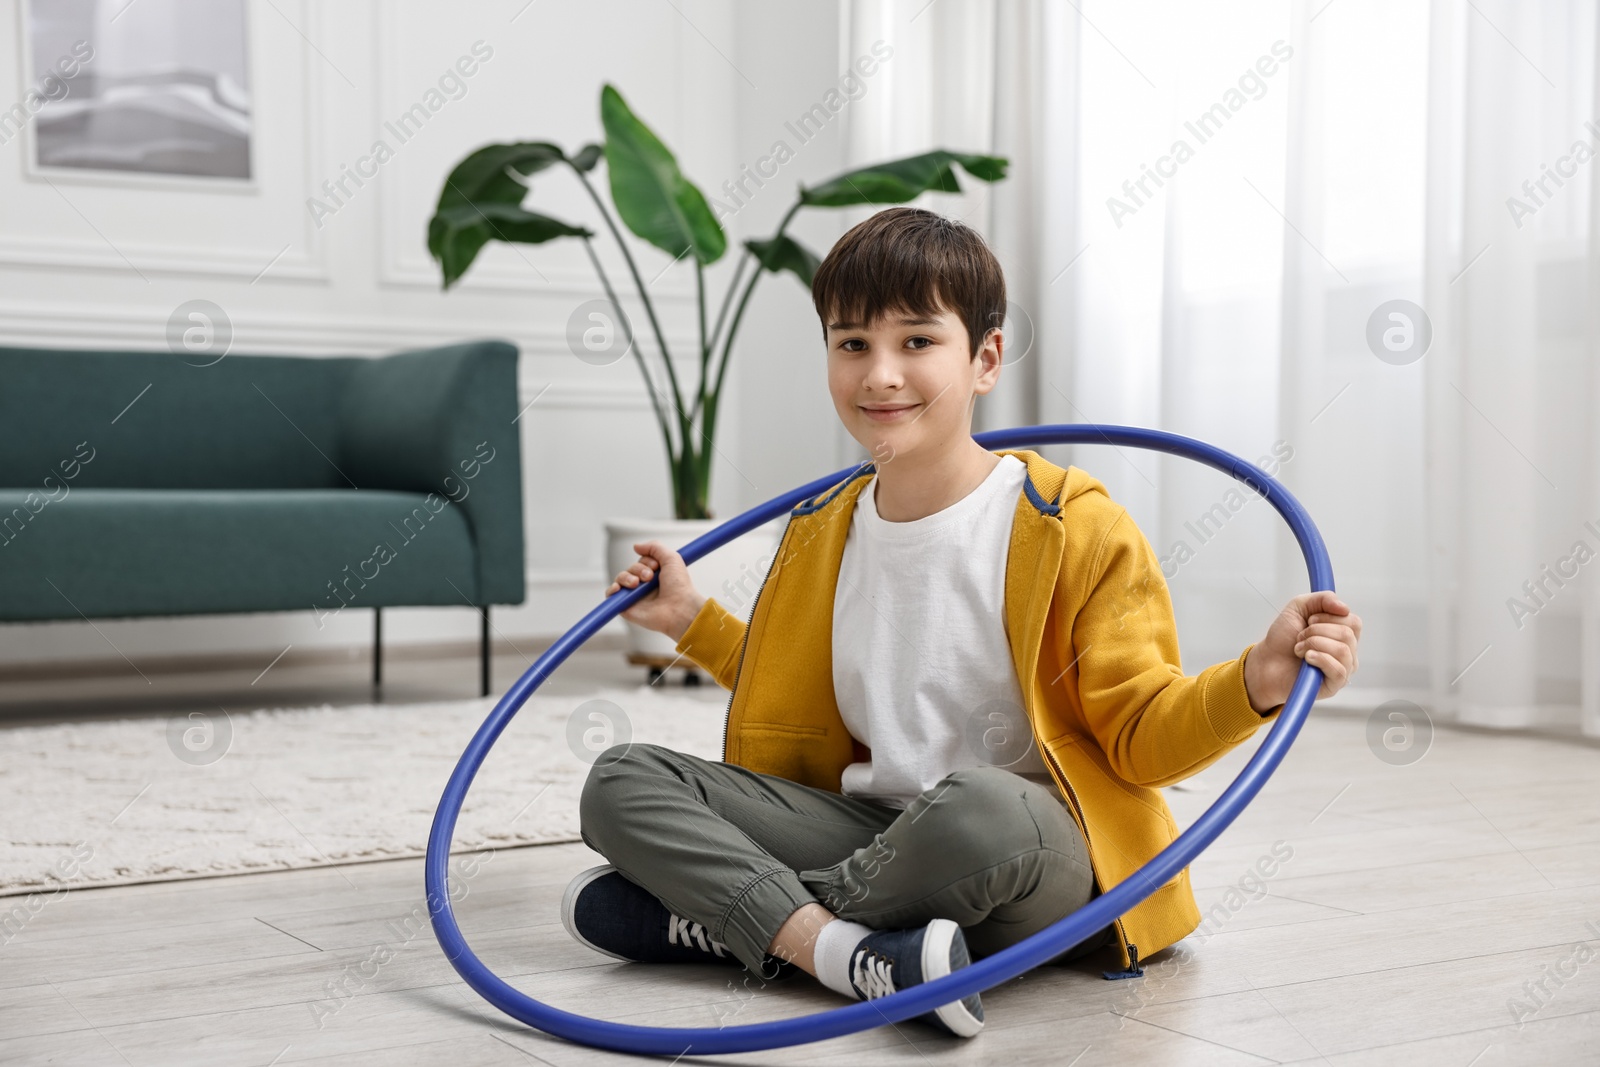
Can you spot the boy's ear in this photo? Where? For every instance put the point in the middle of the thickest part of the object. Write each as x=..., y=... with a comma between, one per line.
x=992, y=353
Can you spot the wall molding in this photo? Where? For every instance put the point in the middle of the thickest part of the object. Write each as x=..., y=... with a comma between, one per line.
x=136, y=327
x=167, y=260
x=189, y=260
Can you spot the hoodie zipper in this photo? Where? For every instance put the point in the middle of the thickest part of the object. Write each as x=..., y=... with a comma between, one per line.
x=744, y=642
x=1133, y=970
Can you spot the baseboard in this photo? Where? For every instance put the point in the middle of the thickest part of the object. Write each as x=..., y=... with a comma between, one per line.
x=220, y=662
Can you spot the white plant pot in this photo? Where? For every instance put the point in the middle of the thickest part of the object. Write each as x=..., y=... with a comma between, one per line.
x=732, y=574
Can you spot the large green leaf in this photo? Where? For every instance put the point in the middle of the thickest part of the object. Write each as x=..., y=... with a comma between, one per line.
x=785, y=253
x=456, y=234
x=653, y=197
x=485, y=175
x=903, y=179
x=469, y=211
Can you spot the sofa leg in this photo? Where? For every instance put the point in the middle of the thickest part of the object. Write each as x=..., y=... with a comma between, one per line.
x=377, y=646
x=483, y=653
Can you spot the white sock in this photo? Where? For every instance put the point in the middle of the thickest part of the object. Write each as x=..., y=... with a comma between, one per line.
x=836, y=943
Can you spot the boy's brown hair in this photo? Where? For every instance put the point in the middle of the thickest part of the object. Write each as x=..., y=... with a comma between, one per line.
x=910, y=259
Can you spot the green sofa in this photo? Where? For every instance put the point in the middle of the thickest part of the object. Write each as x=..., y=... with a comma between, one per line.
x=138, y=484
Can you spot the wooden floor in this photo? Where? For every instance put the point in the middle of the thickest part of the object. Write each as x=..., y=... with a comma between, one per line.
x=1418, y=906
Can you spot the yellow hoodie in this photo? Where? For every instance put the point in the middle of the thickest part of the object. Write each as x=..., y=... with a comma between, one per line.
x=1094, y=645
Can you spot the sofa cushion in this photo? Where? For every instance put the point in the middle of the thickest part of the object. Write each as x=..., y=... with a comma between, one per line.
x=121, y=552
x=152, y=421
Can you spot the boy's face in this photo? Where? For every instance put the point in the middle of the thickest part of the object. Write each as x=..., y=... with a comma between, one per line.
x=921, y=369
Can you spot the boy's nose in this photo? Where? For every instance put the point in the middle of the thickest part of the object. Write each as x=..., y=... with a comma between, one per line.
x=881, y=376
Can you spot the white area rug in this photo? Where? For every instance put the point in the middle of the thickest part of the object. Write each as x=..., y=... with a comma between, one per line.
x=109, y=803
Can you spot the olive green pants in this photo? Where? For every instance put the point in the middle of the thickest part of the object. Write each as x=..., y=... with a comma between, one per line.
x=738, y=851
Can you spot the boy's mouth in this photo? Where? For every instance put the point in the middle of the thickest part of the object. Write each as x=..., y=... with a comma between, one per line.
x=889, y=414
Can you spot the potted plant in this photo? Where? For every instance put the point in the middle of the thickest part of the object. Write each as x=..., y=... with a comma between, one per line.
x=483, y=200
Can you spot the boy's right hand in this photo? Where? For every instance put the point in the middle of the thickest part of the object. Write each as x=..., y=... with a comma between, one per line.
x=672, y=606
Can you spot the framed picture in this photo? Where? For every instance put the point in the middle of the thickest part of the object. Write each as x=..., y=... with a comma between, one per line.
x=142, y=89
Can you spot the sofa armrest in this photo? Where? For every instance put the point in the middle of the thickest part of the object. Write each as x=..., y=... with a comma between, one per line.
x=439, y=421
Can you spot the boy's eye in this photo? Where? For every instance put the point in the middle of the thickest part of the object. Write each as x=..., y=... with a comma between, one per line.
x=848, y=342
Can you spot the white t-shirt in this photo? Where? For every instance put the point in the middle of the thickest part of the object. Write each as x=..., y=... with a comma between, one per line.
x=922, y=668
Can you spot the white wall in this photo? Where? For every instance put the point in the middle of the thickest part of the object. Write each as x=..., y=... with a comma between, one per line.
x=103, y=263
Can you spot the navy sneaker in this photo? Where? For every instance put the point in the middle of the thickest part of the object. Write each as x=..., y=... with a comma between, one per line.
x=610, y=914
x=888, y=961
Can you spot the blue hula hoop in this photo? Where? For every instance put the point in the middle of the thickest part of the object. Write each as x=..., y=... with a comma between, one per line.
x=974, y=978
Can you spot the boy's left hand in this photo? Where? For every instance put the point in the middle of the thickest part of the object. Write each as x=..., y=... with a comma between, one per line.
x=1318, y=627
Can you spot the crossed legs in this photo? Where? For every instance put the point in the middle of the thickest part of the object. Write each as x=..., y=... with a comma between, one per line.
x=763, y=862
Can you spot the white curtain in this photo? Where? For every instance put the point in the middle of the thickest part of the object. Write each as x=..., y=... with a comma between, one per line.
x=1210, y=214
x=1511, y=391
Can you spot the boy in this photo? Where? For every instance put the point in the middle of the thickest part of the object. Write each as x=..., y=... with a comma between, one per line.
x=957, y=696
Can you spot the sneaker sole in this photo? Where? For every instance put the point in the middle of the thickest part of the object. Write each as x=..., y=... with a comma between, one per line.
x=569, y=900
x=936, y=944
